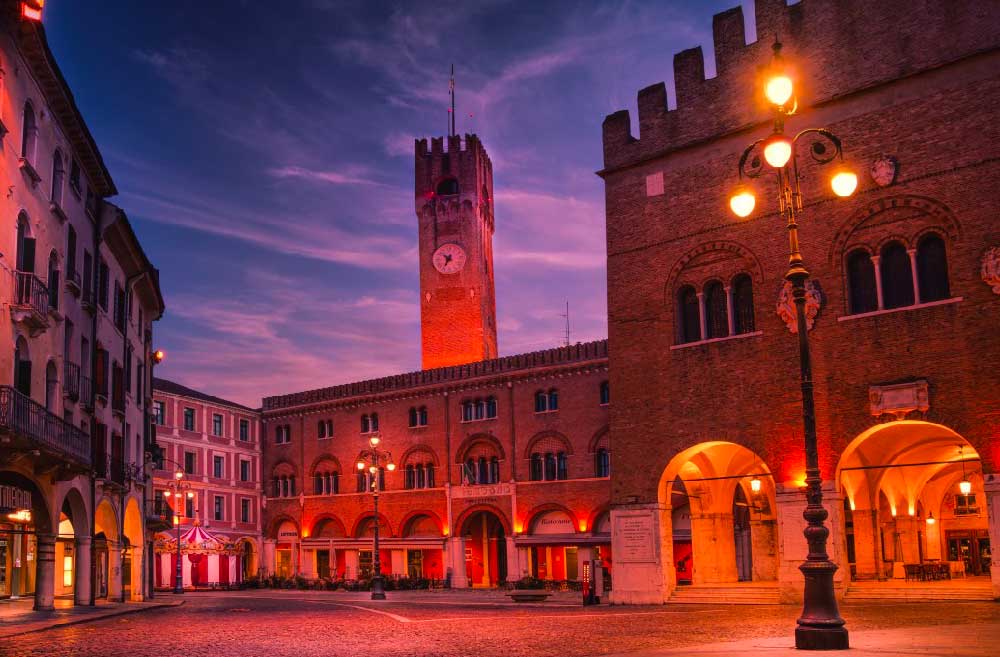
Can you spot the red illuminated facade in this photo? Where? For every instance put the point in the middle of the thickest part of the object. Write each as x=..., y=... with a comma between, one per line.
x=503, y=464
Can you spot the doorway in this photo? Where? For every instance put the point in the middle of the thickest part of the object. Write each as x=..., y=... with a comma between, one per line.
x=971, y=547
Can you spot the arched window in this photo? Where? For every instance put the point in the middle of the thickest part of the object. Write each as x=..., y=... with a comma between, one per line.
x=491, y=407
x=553, y=400
x=605, y=393
x=562, y=469
x=932, y=269
x=22, y=367
x=470, y=470
x=29, y=133
x=53, y=280
x=862, y=294
x=51, y=386
x=421, y=479
x=535, y=473
x=447, y=187
x=480, y=409
x=71, y=272
x=690, y=317
x=743, y=320
x=374, y=421
x=430, y=475
x=494, y=470
x=413, y=417
x=602, y=463
x=716, y=317
x=467, y=411
x=321, y=429
x=483, y=476
x=897, y=277
x=422, y=416
x=541, y=402
x=58, y=174
x=550, y=466
x=408, y=477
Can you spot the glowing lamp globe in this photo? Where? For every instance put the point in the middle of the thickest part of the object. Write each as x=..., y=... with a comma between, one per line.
x=361, y=465
x=930, y=518
x=777, y=151
x=844, y=183
x=190, y=495
x=742, y=202
x=179, y=475
x=374, y=441
x=372, y=469
x=755, y=485
x=965, y=487
x=778, y=89
x=390, y=466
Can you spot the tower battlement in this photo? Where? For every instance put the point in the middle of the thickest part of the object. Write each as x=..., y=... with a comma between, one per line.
x=851, y=45
x=462, y=158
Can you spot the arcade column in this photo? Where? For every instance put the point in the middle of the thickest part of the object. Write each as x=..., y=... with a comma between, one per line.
x=642, y=544
x=991, y=483
x=45, y=573
x=456, y=562
x=82, y=576
x=790, y=502
x=866, y=544
x=115, y=587
x=513, y=561
x=715, y=559
x=267, y=565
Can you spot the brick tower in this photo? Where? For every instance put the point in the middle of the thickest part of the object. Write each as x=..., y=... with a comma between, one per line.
x=454, y=204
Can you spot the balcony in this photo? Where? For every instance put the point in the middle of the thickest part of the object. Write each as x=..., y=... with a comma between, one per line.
x=110, y=468
x=73, y=284
x=29, y=426
x=118, y=401
x=31, y=302
x=88, y=302
x=71, y=380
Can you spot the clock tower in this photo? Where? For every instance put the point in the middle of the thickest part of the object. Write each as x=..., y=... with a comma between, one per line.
x=454, y=203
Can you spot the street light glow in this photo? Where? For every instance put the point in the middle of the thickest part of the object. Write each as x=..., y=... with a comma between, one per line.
x=361, y=465
x=742, y=202
x=844, y=182
x=965, y=487
x=777, y=150
x=778, y=89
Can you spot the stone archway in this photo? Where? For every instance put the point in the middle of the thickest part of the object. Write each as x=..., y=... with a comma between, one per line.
x=720, y=500
x=133, y=553
x=28, y=552
x=907, y=510
x=73, y=549
x=107, y=580
x=483, y=537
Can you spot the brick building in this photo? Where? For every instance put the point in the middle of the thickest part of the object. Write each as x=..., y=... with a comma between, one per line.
x=216, y=444
x=79, y=297
x=503, y=463
x=905, y=277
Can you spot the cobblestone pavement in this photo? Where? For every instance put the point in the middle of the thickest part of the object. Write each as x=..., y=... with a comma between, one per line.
x=306, y=624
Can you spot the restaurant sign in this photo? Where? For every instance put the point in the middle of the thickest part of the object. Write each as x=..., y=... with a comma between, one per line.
x=13, y=498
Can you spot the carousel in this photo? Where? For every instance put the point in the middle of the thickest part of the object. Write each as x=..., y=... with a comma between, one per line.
x=208, y=560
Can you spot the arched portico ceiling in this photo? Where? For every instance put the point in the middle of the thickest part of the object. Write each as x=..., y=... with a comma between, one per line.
x=900, y=458
x=710, y=472
x=106, y=520
x=133, y=522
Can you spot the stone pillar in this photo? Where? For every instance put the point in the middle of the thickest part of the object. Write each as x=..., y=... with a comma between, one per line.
x=296, y=547
x=932, y=541
x=642, y=545
x=456, y=562
x=908, y=528
x=115, y=590
x=714, y=548
x=913, y=273
x=702, y=322
x=45, y=571
x=138, y=590
x=792, y=547
x=267, y=564
x=764, y=541
x=513, y=561
x=867, y=557
x=82, y=576
x=991, y=483
x=878, y=282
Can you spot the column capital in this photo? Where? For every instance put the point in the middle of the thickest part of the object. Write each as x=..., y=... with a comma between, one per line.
x=84, y=539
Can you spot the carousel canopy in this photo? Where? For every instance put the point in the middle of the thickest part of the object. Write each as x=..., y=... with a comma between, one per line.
x=197, y=540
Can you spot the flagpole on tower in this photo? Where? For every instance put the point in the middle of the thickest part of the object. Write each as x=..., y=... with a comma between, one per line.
x=451, y=91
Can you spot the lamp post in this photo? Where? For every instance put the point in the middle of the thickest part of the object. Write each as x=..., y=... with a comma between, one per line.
x=178, y=488
x=371, y=459
x=820, y=627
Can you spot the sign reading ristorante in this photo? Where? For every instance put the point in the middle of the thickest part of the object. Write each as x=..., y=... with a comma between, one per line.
x=13, y=498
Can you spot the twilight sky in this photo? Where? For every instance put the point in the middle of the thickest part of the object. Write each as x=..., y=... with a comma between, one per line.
x=264, y=154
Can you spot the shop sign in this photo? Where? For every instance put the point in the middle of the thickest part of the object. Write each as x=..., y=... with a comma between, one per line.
x=553, y=522
x=484, y=490
x=13, y=498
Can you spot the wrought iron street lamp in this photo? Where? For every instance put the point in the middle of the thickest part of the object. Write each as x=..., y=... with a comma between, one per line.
x=179, y=489
x=820, y=627
x=372, y=459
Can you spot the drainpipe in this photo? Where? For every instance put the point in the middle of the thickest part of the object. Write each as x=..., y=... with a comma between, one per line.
x=95, y=278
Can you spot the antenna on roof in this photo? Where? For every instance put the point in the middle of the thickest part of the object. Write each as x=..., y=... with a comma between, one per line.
x=565, y=315
x=451, y=111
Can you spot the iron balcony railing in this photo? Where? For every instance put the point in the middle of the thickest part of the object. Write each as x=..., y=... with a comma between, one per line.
x=27, y=419
x=116, y=470
x=71, y=380
x=31, y=292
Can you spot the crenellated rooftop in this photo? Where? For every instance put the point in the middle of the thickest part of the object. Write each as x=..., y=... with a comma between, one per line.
x=838, y=46
x=578, y=353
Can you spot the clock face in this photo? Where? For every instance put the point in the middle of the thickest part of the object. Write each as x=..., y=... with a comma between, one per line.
x=449, y=258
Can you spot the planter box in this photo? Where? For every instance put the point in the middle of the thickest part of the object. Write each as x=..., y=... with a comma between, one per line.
x=526, y=595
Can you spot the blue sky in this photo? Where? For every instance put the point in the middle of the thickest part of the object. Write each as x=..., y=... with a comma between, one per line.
x=264, y=153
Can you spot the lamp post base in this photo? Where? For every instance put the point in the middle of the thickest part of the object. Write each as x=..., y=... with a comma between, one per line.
x=820, y=627
x=378, y=589
x=821, y=638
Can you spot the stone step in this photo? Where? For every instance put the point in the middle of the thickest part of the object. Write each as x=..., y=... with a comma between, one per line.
x=735, y=595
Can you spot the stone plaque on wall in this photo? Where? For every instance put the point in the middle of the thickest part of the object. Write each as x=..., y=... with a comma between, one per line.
x=634, y=540
x=899, y=399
